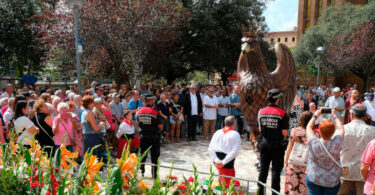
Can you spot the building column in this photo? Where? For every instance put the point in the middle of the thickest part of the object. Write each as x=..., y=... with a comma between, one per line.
x=314, y=11
x=301, y=23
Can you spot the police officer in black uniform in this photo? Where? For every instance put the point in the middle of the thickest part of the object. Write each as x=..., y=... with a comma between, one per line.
x=150, y=128
x=273, y=124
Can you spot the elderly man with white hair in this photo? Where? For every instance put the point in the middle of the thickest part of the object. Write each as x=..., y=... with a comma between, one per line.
x=8, y=91
x=336, y=102
x=59, y=93
x=71, y=96
x=8, y=115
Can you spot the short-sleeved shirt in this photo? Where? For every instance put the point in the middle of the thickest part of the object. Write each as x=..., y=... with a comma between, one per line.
x=333, y=102
x=116, y=109
x=234, y=98
x=224, y=101
x=272, y=120
x=125, y=128
x=132, y=105
x=164, y=108
x=210, y=113
x=21, y=126
x=321, y=169
x=148, y=121
x=358, y=135
x=368, y=158
x=65, y=129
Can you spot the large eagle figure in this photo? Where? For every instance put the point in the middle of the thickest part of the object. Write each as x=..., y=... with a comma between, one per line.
x=255, y=80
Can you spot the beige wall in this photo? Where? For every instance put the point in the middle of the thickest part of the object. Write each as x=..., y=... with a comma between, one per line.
x=287, y=37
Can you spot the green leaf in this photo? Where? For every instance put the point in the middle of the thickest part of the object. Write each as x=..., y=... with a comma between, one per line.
x=28, y=157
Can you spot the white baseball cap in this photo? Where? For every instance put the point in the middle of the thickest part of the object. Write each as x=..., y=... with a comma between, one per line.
x=336, y=89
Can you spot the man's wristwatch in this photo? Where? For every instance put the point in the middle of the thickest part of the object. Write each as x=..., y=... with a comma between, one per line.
x=315, y=116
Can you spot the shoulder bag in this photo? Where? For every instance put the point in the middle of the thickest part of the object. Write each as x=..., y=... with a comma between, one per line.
x=344, y=169
x=72, y=141
x=299, y=154
x=36, y=117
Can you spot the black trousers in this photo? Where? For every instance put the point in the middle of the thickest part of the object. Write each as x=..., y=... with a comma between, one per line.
x=240, y=124
x=192, y=126
x=154, y=143
x=271, y=153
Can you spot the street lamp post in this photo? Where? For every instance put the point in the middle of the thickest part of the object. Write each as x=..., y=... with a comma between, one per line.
x=320, y=51
x=76, y=5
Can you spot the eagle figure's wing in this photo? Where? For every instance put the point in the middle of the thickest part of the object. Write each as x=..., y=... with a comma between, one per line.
x=285, y=75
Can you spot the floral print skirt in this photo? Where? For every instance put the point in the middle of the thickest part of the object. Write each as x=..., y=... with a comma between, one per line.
x=295, y=180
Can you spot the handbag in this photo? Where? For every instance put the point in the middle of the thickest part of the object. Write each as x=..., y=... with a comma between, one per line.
x=299, y=154
x=72, y=141
x=344, y=169
x=181, y=116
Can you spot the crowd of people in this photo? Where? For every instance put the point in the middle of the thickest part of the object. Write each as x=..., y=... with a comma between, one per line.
x=335, y=124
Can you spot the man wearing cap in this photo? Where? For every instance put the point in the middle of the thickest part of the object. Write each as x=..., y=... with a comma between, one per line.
x=273, y=125
x=369, y=103
x=150, y=125
x=116, y=108
x=336, y=102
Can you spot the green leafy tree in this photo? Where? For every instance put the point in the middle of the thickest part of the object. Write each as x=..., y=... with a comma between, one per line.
x=18, y=48
x=211, y=41
x=335, y=22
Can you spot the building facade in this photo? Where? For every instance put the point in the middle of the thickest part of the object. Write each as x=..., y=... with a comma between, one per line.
x=289, y=38
x=310, y=10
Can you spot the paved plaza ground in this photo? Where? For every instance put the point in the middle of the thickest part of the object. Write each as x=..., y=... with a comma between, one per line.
x=196, y=152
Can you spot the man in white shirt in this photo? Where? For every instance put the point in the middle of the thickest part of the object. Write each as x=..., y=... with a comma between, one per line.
x=337, y=103
x=224, y=148
x=357, y=135
x=209, y=114
x=369, y=103
x=8, y=115
x=8, y=91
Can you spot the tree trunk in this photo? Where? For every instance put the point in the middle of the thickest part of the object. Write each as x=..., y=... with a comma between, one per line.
x=366, y=83
x=224, y=78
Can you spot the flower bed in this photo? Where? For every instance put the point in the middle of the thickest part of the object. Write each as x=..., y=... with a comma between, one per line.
x=31, y=171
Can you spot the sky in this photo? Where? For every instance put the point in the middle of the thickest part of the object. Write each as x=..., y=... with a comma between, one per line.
x=281, y=15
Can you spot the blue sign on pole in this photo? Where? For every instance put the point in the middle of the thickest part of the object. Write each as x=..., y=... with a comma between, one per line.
x=80, y=45
x=11, y=71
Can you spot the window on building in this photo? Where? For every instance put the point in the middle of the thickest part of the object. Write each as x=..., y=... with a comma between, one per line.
x=278, y=39
x=293, y=39
x=272, y=40
x=286, y=39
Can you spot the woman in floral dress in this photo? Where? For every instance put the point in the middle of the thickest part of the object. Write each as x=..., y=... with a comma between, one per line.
x=295, y=175
x=295, y=112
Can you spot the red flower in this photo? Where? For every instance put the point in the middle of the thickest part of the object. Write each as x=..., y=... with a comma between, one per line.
x=35, y=184
x=56, y=169
x=191, y=179
x=172, y=177
x=183, y=187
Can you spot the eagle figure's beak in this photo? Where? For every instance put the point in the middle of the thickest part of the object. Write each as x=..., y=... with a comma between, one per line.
x=246, y=48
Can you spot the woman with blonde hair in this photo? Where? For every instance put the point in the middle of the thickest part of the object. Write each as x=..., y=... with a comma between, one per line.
x=44, y=122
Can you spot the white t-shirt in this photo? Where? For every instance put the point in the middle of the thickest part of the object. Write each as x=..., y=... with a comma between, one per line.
x=210, y=113
x=370, y=109
x=124, y=129
x=21, y=124
x=228, y=143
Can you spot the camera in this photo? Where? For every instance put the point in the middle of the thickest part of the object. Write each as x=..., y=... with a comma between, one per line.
x=326, y=111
